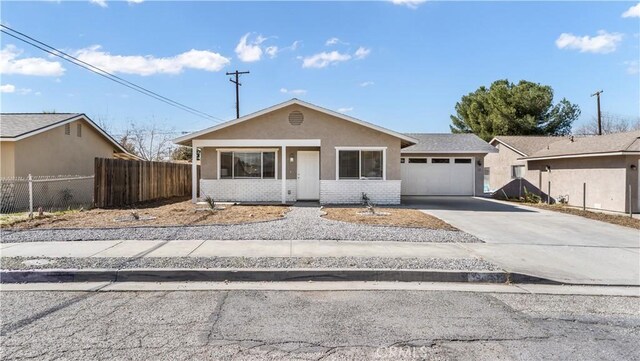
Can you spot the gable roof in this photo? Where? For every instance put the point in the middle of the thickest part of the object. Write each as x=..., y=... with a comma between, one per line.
x=17, y=126
x=610, y=144
x=448, y=143
x=184, y=139
x=525, y=145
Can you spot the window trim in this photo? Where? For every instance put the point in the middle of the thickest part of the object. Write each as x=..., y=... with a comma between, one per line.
x=247, y=150
x=513, y=167
x=360, y=149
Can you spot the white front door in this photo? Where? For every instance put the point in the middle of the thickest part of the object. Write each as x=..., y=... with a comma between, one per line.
x=308, y=187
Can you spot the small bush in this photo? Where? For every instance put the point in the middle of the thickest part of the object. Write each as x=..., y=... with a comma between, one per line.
x=531, y=197
x=210, y=202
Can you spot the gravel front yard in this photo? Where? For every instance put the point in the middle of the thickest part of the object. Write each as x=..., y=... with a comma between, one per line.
x=474, y=264
x=169, y=212
x=299, y=223
x=401, y=217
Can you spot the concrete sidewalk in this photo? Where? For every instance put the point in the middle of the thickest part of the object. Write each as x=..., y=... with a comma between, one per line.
x=253, y=248
x=566, y=264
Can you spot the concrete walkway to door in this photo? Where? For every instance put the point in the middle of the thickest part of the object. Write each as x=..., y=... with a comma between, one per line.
x=543, y=243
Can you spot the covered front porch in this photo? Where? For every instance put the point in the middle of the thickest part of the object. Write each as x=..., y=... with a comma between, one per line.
x=258, y=170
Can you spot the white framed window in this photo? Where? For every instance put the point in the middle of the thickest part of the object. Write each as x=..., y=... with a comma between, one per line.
x=517, y=171
x=366, y=163
x=247, y=164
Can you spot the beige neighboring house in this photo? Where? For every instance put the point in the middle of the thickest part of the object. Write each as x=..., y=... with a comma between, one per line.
x=606, y=166
x=53, y=144
x=507, y=164
x=299, y=151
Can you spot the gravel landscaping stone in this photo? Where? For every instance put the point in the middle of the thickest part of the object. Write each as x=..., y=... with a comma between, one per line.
x=299, y=223
x=462, y=264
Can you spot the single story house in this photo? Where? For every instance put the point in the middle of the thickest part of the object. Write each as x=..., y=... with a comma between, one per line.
x=507, y=164
x=597, y=172
x=52, y=144
x=299, y=151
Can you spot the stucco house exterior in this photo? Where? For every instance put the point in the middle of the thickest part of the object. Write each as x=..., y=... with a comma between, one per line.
x=53, y=144
x=597, y=172
x=507, y=164
x=299, y=151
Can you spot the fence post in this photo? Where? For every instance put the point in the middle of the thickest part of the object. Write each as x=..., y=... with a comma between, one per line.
x=584, y=196
x=30, y=195
x=549, y=192
x=630, y=207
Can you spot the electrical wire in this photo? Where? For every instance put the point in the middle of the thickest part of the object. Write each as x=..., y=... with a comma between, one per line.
x=94, y=69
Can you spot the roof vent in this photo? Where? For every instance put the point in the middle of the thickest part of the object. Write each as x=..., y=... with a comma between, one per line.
x=296, y=118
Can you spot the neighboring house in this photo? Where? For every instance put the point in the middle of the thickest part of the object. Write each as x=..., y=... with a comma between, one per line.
x=606, y=166
x=329, y=157
x=507, y=164
x=52, y=144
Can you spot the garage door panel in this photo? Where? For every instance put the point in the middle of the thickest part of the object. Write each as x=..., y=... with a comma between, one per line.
x=437, y=179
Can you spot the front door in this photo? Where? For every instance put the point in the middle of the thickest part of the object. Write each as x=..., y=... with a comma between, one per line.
x=308, y=187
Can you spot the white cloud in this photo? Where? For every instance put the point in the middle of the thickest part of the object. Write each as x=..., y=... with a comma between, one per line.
x=272, y=51
x=366, y=84
x=9, y=64
x=101, y=3
x=633, y=67
x=24, y=91
x=249, y=51
x=7, y=88
x=345, y=110
x=412, y=4
x=135, y=1
x=148, y=65
x=362, y=53
x=293, y=91
x=602, y=43
x=324, y=59
x=294, y=45
x=632, y=12
x=335, y=41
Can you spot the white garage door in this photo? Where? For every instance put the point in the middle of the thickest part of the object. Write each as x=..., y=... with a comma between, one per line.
x=437, y=176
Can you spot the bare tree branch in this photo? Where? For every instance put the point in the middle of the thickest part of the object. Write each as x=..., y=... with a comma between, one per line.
x=611, y=123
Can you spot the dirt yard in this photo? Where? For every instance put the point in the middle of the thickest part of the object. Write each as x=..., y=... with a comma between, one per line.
x=163, y=213
x=621, y=220
x=396, y=217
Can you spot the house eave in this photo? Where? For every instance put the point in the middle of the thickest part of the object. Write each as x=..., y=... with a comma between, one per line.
x=581, y=155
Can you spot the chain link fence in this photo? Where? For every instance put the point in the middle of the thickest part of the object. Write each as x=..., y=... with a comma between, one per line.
x=55, y=193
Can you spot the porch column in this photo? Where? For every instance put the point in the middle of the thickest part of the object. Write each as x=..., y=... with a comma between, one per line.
x=194, y=173
x=283, y=174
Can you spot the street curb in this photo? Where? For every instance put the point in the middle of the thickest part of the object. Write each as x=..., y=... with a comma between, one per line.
x=262, y=275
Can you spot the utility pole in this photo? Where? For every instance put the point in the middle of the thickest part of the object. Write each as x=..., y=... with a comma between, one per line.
x=237, y=83
x=597, y=94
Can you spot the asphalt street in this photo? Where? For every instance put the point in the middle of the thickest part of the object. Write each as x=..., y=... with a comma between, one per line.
x=313, y=325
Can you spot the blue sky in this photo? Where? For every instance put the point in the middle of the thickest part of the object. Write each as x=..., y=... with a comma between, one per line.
x=399, y=65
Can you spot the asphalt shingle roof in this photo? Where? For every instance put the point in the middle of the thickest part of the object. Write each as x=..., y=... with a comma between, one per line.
x=618, y=142
x=13, y=125
x=441, y=143
x=528, y=144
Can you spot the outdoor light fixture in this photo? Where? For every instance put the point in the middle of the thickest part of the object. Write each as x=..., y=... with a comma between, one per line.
x=479, y=163
x=633, y=167
x=291, y=158
x=548, y=168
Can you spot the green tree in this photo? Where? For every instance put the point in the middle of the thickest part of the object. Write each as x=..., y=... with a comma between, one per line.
x=506, y=108
x=183, y=152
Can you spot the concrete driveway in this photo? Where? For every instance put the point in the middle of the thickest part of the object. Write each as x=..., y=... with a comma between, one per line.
x=544, y=243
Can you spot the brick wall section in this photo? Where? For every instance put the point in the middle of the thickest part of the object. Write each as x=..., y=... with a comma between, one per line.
x=247, y=190
x=350, y=191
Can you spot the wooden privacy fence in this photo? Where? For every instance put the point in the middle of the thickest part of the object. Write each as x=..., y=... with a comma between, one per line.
x=120, y=182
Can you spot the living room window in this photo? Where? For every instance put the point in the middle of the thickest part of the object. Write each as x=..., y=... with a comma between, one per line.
x=366, y=163
x=247, y=164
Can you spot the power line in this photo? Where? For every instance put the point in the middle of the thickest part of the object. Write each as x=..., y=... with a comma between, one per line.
x=94, y=69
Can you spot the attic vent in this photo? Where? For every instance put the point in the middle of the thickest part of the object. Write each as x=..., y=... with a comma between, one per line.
x=296, y=118
x=67, y=129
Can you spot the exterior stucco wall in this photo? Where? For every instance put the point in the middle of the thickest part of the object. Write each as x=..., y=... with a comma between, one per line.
x=332, y=132
x=606, y=179
x=478, y=169
x=499, y=165
x=54, y=153
x=7, y=160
